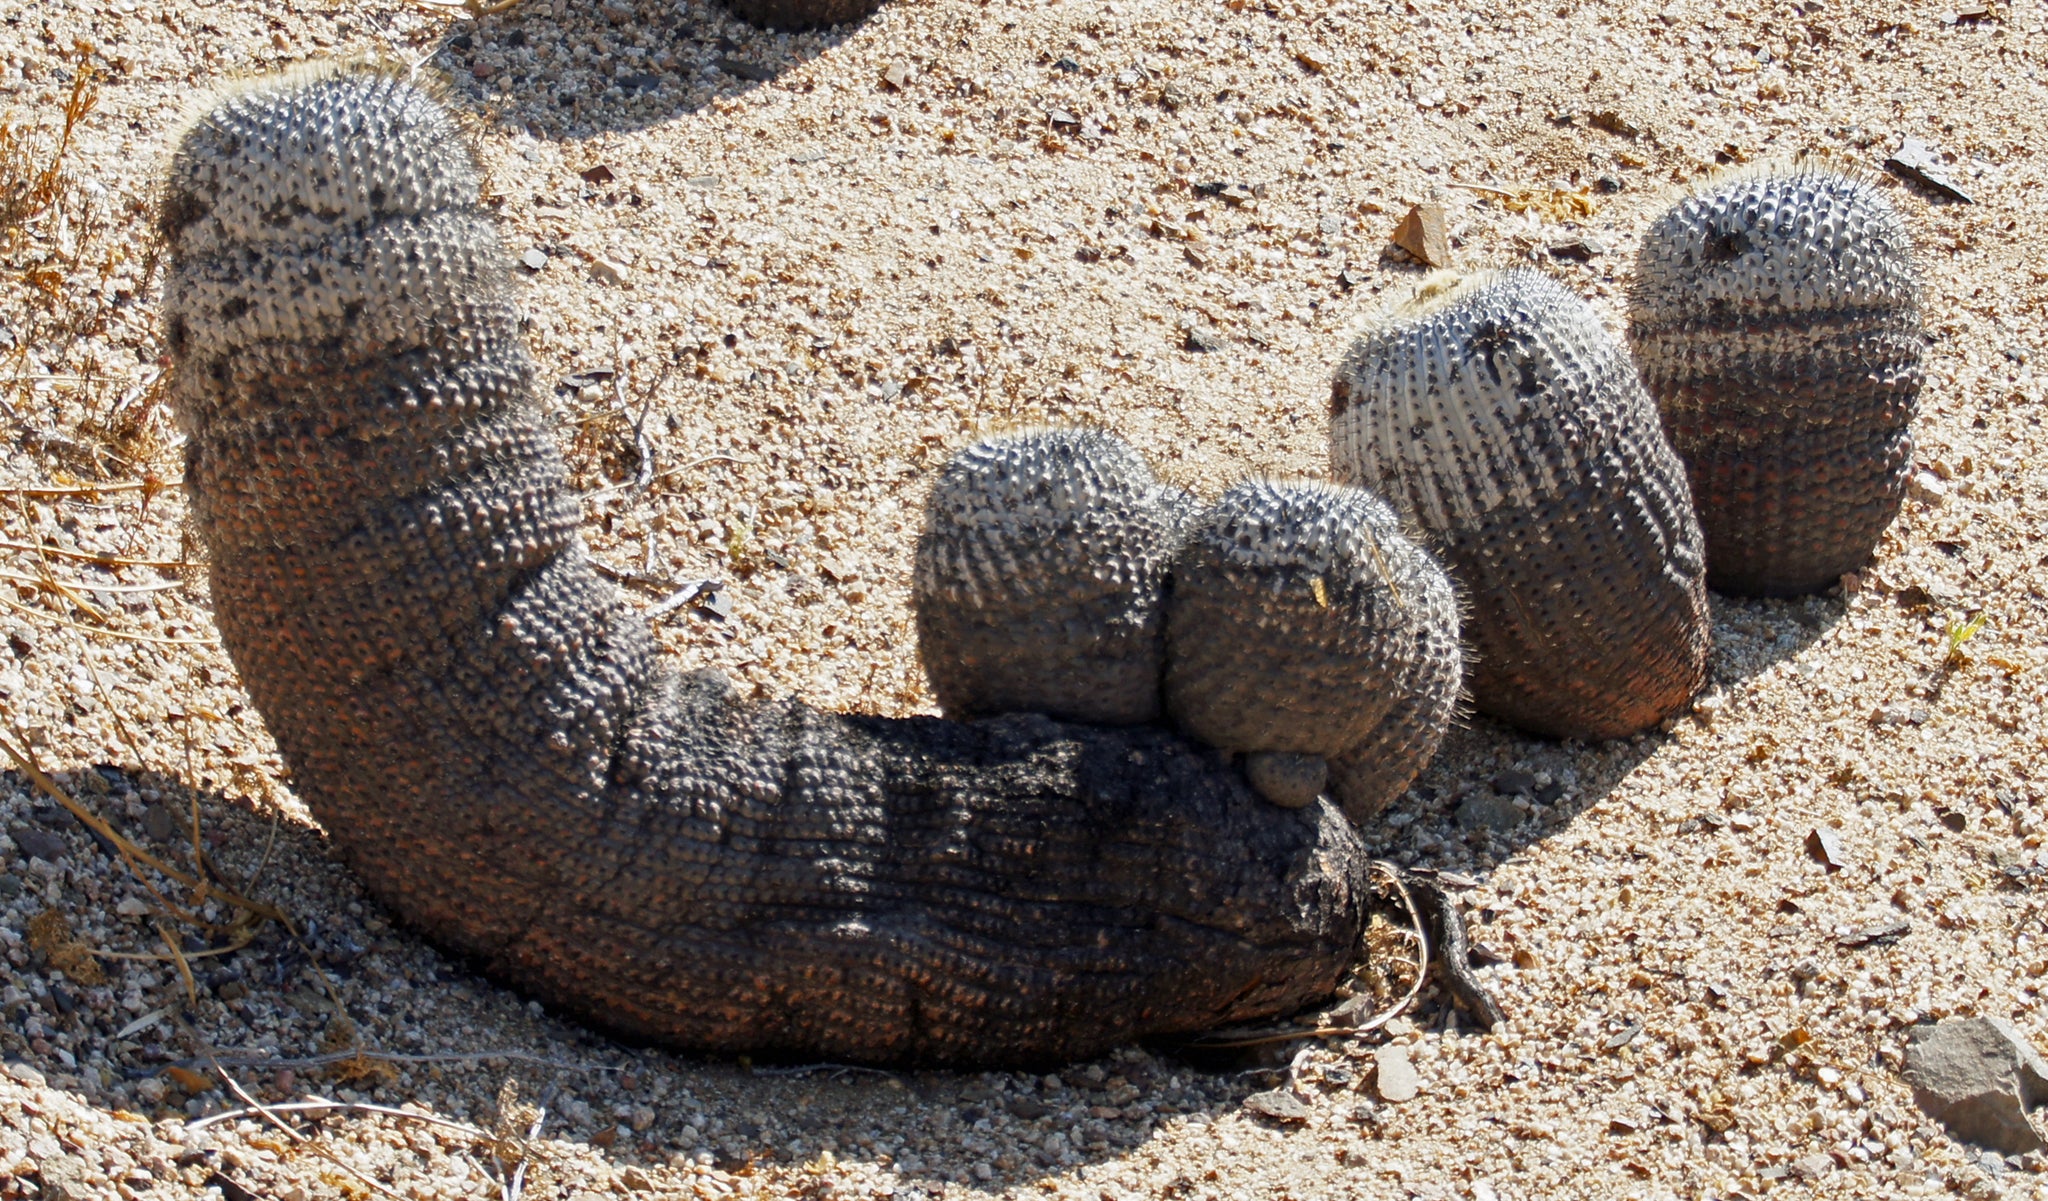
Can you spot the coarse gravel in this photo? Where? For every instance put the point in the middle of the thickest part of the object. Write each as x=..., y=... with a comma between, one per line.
x=804, y=268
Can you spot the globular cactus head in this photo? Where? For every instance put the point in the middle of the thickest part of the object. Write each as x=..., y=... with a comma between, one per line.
x=330, y=215
x=1040, y=578
x=1775, y=317
x=1483, y=392
x=287, y=157
x=344, y=336
x=1303, y=622
x=1497, y=411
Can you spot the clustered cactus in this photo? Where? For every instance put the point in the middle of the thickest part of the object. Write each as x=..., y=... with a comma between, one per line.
x=485, y=723
x=1293, y=623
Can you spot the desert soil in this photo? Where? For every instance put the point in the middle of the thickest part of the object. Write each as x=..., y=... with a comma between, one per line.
x=806, y=267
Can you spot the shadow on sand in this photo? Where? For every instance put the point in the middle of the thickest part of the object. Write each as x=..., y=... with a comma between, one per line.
x=1493, y=791
x=282, y=1013
x=346, y=977
x=563, y=71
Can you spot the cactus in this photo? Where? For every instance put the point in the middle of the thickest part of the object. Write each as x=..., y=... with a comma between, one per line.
x=1040, y=579
x=1497, y=412
x=1303, y=623
x=483, y=724
x=1776, y=319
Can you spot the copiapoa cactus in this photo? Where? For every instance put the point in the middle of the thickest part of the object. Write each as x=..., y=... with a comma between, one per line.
x=1776, y=319
x=483, y=725
x=1304, y=623
x=1040, y=580
x=1497, y=412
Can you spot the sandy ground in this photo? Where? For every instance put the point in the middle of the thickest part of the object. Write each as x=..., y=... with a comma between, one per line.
x=808, y=266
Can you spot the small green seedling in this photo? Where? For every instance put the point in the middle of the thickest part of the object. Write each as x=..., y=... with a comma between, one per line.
x=1960, y=632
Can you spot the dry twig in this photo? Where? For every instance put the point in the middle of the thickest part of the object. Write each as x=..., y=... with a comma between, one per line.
x=1417, y=931
x=318, y=1104
x=104, y=560
x=51, y=582
x=318, y=1061
x=89, y=491
x=119, y=635
x=313, y=1144
x=469, y=8
x=92, y=821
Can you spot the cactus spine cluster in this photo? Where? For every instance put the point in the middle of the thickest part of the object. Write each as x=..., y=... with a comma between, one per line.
x=1776, y=318
x=1300, y=627
x=1498, y=413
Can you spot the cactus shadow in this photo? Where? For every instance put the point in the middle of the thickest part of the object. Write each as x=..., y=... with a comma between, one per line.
x=573, y=71
x=1753, y=634
x=280, y=1013
x=1493, y=791
x=250, y=847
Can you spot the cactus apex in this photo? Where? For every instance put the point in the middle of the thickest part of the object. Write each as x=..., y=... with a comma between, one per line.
x=1304, y=623
x=1040, y=577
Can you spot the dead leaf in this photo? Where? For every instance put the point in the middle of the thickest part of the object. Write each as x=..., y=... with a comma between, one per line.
x=49, y=935
x=189, y=1080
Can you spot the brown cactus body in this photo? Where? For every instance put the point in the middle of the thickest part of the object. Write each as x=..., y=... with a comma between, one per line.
x=483, y=724
x=1776, y=320
x=1498, y=413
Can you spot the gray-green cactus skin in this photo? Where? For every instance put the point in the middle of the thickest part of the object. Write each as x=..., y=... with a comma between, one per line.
x=1041, y=576
x=1303, y=621
x=484, y=727
x=1775, y=317
x=1499, y=415
x=1297, y=626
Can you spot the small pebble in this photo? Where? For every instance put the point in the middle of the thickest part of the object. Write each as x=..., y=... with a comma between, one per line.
x=1394, y=1076
x=39, y=844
